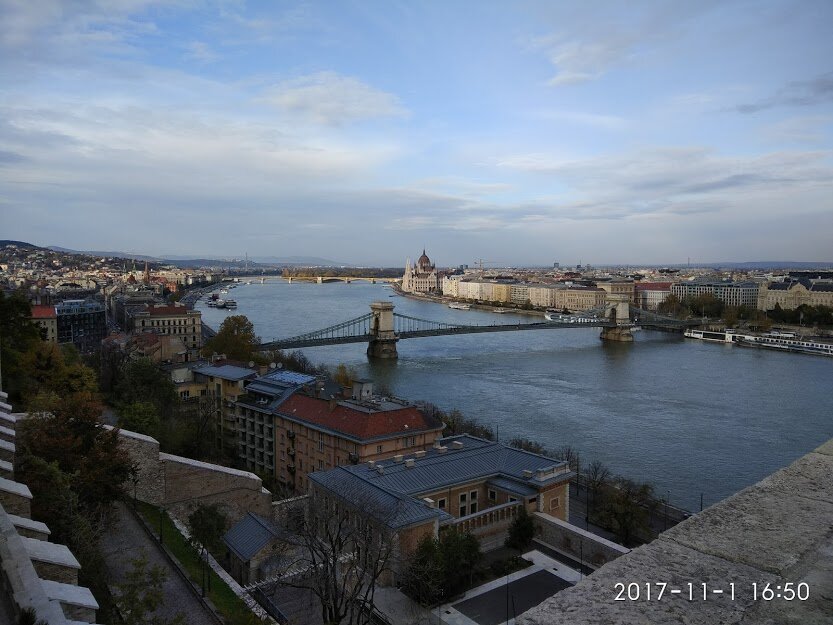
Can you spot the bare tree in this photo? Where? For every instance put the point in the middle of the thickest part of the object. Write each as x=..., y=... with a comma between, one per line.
x=343, y=550
x=598, y=476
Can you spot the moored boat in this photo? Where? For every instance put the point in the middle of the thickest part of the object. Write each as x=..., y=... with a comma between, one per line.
x=459, y=306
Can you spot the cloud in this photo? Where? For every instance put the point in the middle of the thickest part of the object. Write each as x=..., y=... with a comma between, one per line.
x=819, y=90
x=332, y=99
x=201, y=52
x=578, y=60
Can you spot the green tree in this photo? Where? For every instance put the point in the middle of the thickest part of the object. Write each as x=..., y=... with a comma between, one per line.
x=521, y=531
x=140, y=595
x=705, y=305
x=18, y=334
x=140, y=417
x=208, y=524
x=236, y=339
x=445, y=564
x=625, y=509
x=671, y=306
x=144, y=382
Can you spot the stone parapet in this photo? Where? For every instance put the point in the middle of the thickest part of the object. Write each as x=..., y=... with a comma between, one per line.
x=577, y=543
x=7, y=450
x=778, y=531
x=15, y=497
x=29, y=528
x=52, y=561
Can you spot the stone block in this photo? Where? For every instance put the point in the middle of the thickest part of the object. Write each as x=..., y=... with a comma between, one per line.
x=592, y=601
x=15, y=497
x=763, y=526
x=51, y=561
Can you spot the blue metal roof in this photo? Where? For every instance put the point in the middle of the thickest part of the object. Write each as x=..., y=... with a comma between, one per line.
x=511, y=486
x=290, y=377
x=249, y=535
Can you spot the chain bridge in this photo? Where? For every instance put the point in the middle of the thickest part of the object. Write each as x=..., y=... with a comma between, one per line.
x=382, y=328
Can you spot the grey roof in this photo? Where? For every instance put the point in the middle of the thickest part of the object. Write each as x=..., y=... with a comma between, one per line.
x=511, y=486
x=399, y=488
x=395, y=509
x=290, y=377
x=249, y=535
x=226, y=372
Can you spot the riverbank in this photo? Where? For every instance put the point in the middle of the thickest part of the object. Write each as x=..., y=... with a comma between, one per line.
x=442, y=299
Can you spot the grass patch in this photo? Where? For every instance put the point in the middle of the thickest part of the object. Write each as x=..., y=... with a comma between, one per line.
x=230, y=606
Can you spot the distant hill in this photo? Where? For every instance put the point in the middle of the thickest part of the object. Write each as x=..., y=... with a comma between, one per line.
x=6, y=242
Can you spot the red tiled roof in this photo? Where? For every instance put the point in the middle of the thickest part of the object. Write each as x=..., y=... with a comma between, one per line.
x=356, y=423
x=43, y=312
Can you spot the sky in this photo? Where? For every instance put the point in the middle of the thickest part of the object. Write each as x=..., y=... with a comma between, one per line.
x=518, y=132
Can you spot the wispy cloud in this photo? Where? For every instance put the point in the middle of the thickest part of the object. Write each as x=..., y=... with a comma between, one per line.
x=799, y=93
x=200, y=52
x=578, y=60
x=332, y=99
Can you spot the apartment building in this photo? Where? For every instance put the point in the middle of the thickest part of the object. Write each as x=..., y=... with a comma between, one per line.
x=649, y=295
x=170, y=320
x=290, y=425
x=82, y=323
x=730, y=293
x=790, y=294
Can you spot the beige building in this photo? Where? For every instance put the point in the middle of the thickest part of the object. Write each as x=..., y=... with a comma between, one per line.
x=462, y=482
x=619, y=287
x=422, y=277
x=173, y=320
x=789, y=295
x=47, y=319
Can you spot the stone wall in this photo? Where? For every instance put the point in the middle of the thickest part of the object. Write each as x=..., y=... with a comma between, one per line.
x=180, y=484
x=777, y=532
x=575, y=542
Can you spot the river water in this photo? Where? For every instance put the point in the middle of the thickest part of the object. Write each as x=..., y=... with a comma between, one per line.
x=688, y=416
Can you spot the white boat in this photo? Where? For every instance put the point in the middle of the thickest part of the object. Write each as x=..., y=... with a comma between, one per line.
x=459, y=306
x=230, y=303
x=557, y=316
x=223, y=291
x=220, y=303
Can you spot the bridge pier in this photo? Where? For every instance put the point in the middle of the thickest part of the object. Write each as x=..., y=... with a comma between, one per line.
x=383, y=341
x=620, y=334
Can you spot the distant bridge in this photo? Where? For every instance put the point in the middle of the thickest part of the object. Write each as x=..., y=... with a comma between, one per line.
x=327, y=279
x=381, y=328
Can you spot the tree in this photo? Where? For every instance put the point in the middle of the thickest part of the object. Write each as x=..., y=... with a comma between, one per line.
x=344, y=375
x=625, y=509
x=143, y=382
x=521, y=531
x=705, y=305
x=671, y=306
x=54, y=371
x=208, y=524
x=18, y=334
x=597, y=477
x=140, y=595
x=140, y=417
x=343, y=550
x=442, y=565
x=236, y=339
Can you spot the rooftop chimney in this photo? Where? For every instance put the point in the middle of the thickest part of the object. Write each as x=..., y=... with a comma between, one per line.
x=409, y=463
x=362, y=390
x=428, y=502
x=457, y=444
x=380, y=469
x=527, y=473
x=397, y=458
x=419, y=454
x=442, y=449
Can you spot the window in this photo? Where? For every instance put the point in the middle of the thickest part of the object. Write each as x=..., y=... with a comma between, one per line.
x=492, y=495
x=462, y=497
x=512, y=500
x=463, y=510
x=473, y=508
x=378, y=449
x=533, y=500
x=441, y=503
x=320, y=465
x=320, y=444
x=473, y=495
x=555, y=503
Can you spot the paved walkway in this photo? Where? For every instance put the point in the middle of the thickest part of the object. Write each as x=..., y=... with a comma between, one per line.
x=126, y=542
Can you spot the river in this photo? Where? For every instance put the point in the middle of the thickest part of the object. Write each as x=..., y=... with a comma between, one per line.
x=688, y=416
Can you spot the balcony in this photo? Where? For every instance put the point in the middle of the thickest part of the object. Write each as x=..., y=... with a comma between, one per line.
x=488, y=521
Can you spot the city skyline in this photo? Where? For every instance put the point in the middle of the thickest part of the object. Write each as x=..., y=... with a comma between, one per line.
x=646, y=134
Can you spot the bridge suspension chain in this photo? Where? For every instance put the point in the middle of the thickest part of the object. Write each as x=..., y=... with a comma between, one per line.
x=404, y=323
x=360, y=326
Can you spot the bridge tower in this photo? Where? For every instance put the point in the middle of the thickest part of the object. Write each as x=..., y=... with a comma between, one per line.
x=383, y=341
x=618, y=307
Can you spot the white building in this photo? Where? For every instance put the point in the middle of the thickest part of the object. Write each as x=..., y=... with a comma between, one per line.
x=422, y=277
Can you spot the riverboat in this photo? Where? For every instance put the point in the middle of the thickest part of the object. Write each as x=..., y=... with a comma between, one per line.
x=783, y=341
x=459, y=306
x=230, y=304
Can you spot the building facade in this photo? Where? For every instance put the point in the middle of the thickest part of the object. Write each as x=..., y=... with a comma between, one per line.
x=171, y=320
x=790, y=294
x=421, y=277
x=290, y=425
x=47, y=319
x=730, y=293
x=82, y=323
x=649, y=295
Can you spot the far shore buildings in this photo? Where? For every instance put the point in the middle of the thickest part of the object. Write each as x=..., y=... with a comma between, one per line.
x=170, y=320
x=730, y=293
x=792, y=293
x=422, y=277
